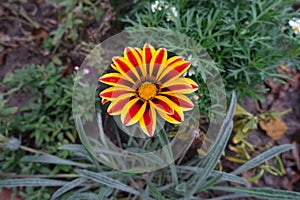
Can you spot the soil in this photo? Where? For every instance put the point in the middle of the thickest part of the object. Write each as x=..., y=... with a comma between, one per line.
x=288, y=99
x=21, y=44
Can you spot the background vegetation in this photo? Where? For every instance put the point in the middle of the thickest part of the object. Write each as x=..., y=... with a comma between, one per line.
x=40, y=153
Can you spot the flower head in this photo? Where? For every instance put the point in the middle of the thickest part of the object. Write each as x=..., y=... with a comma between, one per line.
x=157, y=5
x=147, y=83
x=173, y=13
x=295, y=24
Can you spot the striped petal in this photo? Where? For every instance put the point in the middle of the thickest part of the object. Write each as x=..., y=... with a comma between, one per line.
x=181, y=101
x=114, y=79
x=174, y=70
x=114, y=92
x=191, y=82
x=180, y=85
x=163, y=104
x=116, y=106
x=158, y=62
x=174, y=59
x=148, y=121
x=104, y=101
x=176, y=118
x=126, y=68
x=133, y=111
x=114, y=66
x=135, y=58
x=148, y=53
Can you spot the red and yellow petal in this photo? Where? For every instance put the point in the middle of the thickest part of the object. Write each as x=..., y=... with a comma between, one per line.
x=116, y=106
x=133, y=111
x=148, y=53
x=176, y=87
x=148, y=121
x=104, y=101
x=180, y=85
x=158, y=62
x=173, y=60
x=181, y=101
x=114, y=92
x=126, y=68
x=133, y=55
x=114, y=66
x=174, y=70
x=114, y=79
x=163, y=104
x=191, y=82
x=176, y=118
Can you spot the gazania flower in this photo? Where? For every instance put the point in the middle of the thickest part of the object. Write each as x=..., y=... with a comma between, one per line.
x=147, y=83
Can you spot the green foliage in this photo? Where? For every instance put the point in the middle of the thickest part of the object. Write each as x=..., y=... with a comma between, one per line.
x=48, y=115
x=74, y=16
x=100, y=182
x=247, y=39
x=6, y=113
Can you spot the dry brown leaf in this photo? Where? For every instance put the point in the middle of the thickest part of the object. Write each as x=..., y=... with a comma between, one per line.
x=39, y=34
x=8, y=194
x=296, y=80
x=275, y=128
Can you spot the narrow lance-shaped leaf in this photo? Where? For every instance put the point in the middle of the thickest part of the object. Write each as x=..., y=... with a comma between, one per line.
x=155, y=192
x=263, y=157
x=30, y=182
x=53, y=160
x=68, y=187
x=110, y=182
x=212, y=158
x=261, y=193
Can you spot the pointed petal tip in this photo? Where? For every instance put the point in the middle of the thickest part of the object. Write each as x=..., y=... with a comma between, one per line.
x=148, y=131
x=147, y=45
x=195, y=86
x=128, y=49
x=103, y=101
x=149, y=134
x=115, y=58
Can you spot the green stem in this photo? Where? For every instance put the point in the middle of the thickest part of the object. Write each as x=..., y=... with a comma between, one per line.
x=33, y=150
x=168, y=152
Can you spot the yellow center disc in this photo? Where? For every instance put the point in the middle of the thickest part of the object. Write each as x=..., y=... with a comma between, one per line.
x=147, y=91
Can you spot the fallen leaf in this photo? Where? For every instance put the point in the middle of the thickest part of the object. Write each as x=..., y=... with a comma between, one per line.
x=295, y=177
x=296, y=80
x=239, y=110
x=296, y=155
x=2, y=57
x=275, y=128
x=68, y=68
x=39, y=2
x=40, y=34
x=7, y=194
